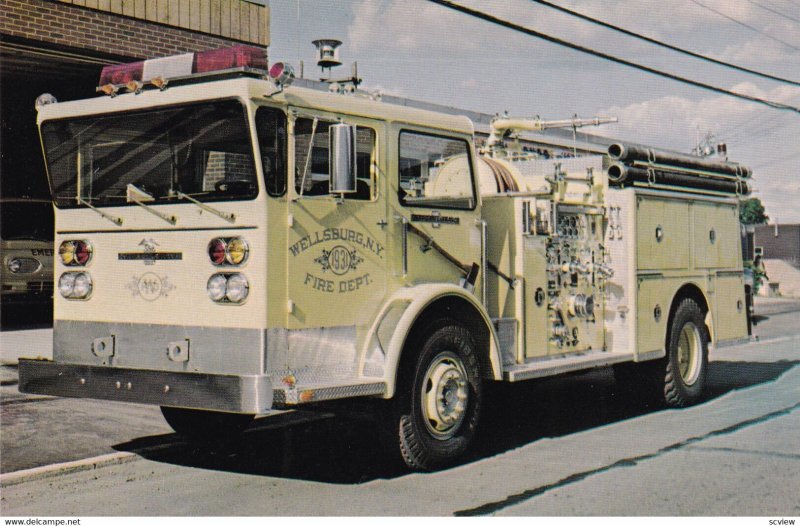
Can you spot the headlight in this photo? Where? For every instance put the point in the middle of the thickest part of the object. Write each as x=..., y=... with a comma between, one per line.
x=75, y=253
x=66, y=284
x=216, y=287
x=83, y=285
x=228, y=288
x=24, y=265
x=238, y=288
x=14, y=265
x=75, y=285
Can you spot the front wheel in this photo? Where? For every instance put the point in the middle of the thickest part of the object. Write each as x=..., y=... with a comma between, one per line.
x=206, y=426
x=438, y=402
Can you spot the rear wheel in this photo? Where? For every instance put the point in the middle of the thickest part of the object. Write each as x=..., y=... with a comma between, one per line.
x=678, y=379
x=687, y=356
x=206, y=426
x=437, y=406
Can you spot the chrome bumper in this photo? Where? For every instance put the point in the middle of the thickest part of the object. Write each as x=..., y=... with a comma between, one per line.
x=217, y=392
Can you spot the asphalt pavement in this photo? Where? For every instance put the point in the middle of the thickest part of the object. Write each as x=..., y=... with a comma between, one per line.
x=564, y=446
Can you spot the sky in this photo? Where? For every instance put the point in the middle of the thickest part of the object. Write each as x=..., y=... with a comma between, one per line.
x=417, y=49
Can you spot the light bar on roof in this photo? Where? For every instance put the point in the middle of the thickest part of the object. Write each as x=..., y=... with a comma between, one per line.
x=158, y=70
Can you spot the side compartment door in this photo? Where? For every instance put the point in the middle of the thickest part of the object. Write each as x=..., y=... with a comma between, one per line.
x=436, y=204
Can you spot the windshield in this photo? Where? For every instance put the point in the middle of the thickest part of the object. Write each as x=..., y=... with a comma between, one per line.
x=203, y=150
x=32, y=220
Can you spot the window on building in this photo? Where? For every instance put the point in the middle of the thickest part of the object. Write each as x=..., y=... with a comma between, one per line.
x=435, y=171
x=312, y=173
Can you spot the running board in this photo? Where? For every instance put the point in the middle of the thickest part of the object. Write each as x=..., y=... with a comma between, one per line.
x=563, y=364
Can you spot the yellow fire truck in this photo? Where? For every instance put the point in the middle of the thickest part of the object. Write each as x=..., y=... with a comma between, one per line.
x=229, y=244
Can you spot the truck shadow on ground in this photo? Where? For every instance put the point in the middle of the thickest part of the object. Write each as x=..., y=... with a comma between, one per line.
x=318, y=447
x=24, y=316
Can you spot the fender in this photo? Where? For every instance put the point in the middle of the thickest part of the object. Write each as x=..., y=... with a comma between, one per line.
x=709, y=316
x=393, y=325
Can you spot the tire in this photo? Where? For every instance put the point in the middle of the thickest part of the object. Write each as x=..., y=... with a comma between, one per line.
x=438, y=401
x=687, y=356
x=206, y=426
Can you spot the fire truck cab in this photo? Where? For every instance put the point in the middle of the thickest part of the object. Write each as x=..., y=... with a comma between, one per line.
x=229, y=244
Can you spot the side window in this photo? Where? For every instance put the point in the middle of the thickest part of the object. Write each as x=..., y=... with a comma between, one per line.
x=271, y=127
x=435, y=171
x=311, y=159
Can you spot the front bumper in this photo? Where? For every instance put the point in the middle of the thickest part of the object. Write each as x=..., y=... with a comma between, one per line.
x=217, y=392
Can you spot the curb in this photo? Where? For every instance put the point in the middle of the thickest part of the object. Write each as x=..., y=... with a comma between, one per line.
x=62, y=468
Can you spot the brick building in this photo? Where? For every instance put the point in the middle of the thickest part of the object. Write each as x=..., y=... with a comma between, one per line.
x=59, y=47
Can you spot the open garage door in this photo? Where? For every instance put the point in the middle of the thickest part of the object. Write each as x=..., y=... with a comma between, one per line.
x=28, y=69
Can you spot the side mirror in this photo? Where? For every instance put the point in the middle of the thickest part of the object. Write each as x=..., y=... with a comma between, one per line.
x=342, y=160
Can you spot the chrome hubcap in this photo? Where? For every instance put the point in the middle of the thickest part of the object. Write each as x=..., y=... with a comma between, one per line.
x=444, y=395
x=689, y=353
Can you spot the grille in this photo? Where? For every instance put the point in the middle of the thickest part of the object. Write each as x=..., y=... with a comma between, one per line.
x=45, y=288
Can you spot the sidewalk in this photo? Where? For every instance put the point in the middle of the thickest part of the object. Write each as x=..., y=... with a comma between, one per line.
x=765, y=306
x=34, y=343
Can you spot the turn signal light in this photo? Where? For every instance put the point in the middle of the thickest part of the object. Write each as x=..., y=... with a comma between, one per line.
x=75, y=253
x=237, y=251
x=233, y=251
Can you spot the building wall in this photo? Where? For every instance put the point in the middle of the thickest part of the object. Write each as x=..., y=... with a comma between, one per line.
x=64, y=24
x=785, y=245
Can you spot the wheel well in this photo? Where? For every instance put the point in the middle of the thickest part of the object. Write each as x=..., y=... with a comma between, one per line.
x=459, y=310
x=691, y=291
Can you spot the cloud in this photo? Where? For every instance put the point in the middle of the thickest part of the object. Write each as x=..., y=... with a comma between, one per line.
x=757, y=136
x=394, y=26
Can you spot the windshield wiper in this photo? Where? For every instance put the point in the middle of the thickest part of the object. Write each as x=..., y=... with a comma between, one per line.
x=137, y=195
x=224, y=215
x=116, y=220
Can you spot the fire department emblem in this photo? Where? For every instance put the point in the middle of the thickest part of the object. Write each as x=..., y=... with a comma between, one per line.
x=150, y=286
x=149, y=245
x=339, y=260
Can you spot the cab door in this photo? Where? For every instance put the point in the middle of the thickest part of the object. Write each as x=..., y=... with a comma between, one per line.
x=336, y=245
x=436, y=201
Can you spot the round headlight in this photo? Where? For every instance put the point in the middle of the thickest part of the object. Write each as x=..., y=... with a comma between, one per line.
x=216, y=287
x=237, y=251
x=216, y=251
x=82, y=286
x=238, y=288
x=66, y=284
x=14, y=265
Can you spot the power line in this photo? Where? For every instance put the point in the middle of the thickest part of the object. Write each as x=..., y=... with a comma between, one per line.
x=510, y=25
x=774, y=11
x=663, y=44
x=744, y=24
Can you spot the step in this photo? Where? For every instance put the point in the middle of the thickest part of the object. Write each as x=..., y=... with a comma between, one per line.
x=551, y=366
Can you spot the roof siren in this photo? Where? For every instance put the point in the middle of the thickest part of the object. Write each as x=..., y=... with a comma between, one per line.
x=328, y=58
x=328, y=53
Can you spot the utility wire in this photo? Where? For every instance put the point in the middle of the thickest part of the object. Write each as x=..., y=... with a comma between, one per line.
x=510, y=25
x=744, y=24
x=662, y=44
x=774, y=11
